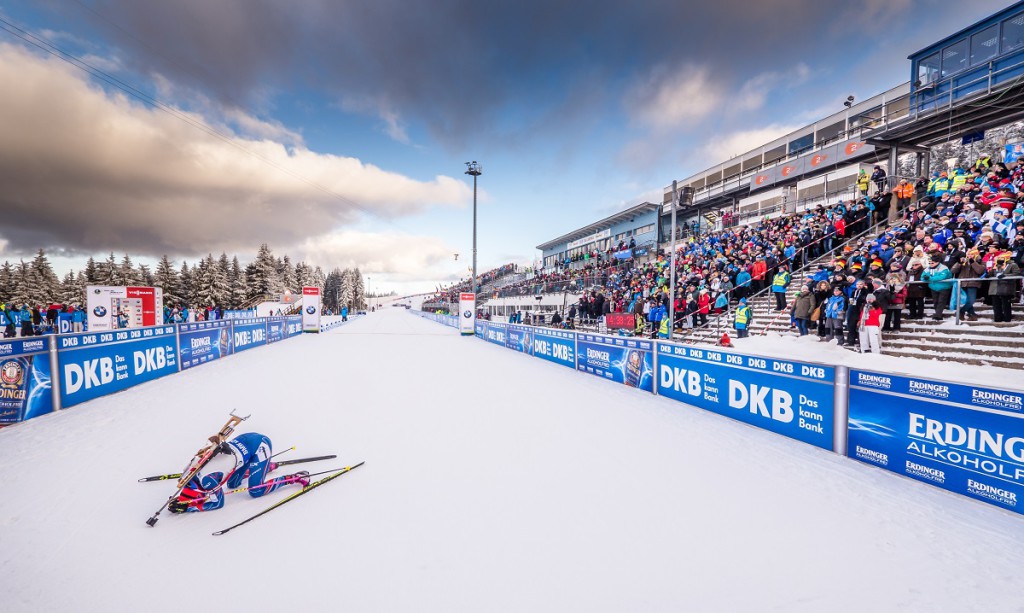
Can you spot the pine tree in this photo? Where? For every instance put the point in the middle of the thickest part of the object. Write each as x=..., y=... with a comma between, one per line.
x=358, y=289
x=70, y=293
x=21, y=287
x=126, y=272
x=91, y=272
x=166, y=278
x=265, y=280
x=46, y=286
x=146, y=277
x=332, y=290
x=287, y=275
x=185, y=287
x=6, y=281
x=107, y=271
x=303, y=275
x=318, y=278
x=236, y=280
x=348, y=290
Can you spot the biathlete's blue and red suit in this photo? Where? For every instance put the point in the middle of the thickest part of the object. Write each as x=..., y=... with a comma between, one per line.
x=251, y=454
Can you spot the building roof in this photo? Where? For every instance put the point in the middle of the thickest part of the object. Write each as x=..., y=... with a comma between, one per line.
x=604, y=224
x=994, y=17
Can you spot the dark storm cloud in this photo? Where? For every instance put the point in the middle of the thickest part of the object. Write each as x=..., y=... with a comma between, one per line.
x=452, y=64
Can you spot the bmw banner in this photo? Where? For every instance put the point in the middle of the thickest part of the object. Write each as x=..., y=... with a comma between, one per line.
x=467, y=313
x=619, y=359
x=311, y=309
x=558, y=346
x=794, y=399
x=100, y=363
x=25, y=383
x=962, y=438
x=203, y=342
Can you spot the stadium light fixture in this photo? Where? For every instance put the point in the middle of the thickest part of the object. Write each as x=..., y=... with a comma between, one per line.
x=475, y=170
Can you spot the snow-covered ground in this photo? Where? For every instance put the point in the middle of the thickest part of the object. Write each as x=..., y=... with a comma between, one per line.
x=493, y=482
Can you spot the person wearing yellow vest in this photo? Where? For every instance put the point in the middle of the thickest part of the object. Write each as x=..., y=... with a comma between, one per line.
x=780, y=283
x=984, y=162
x=959, y=180
x=942, y=185
x=863, y=181
x=663, y=329
x=742, y=319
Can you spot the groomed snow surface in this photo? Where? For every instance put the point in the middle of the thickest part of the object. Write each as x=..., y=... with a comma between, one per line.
x=493, y=482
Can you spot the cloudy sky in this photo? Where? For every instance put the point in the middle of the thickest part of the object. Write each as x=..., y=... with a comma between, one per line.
x=336, y=131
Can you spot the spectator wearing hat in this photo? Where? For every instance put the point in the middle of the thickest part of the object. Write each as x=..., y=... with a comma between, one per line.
x=857, y=294
x=780, y=284
x=940, y=282
x=896, y=282
x=878, y=178
x=835, y=313
x=970, y=269
x=904, y=193
x=742, y=319
x=1003, y=289
x=870, y=326
x=803, y=307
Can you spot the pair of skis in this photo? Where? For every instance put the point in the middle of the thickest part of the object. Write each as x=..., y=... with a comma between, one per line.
x=203, y=456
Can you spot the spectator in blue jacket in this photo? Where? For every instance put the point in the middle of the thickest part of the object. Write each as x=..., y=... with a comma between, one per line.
x=26, y=320
x=835, y=313
x=939, y=281
x=78, y=319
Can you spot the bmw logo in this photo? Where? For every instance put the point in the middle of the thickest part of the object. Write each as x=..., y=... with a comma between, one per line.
x=467, y=314
x=99, y=311
x=311, y=309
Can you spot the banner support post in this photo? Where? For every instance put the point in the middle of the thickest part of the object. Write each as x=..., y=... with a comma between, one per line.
x=841, y=402
x=55, y=374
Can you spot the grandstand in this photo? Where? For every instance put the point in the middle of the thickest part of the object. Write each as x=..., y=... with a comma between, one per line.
x=832, y=196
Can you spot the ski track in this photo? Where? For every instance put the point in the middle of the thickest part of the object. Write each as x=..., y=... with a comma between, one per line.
x=493, y=481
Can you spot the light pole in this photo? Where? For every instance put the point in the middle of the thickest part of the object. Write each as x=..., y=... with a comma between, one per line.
x=368, y=291
x=679, y=197
x=474, y=169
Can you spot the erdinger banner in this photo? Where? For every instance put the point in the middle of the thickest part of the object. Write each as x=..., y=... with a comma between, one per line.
x=555, y=346
x=794, y=399
x=311, y=309
x=110, y=307
x=203, y=342
x=97, y=364
x=519, y=338
x=623, y=360
x=25, y=384
x=467, y=313
x=962, y=438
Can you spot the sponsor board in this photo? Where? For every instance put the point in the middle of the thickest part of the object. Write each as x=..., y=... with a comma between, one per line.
x=203, y=342
x=293, y=325
x=275, y=329
x=555, y=346
x=794, y=399
x=248, y=333
x=964, y=439
x=519, y=338
x=467, y=313
x=496, y=333
x=100, y=363
x=623, y=360
x=25, y=384
x=310, y=309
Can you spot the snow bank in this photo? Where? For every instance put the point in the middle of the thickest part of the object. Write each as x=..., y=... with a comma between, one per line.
x=493, y=482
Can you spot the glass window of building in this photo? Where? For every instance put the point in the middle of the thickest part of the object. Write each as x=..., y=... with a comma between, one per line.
x=1013, y=33
x=928, y=69
x=954, y=58
x=984, y=45
x=801, y=144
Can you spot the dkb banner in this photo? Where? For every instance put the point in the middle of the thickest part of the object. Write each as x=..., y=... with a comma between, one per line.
x=519, y=338
x=555, y=346
x=25, y=385
x=789, y=398
x=204, y=341
x=623, y=360
x=101, y=363
x=249, y=333
x=495, y=333
x=962, y=438
x=293, y=327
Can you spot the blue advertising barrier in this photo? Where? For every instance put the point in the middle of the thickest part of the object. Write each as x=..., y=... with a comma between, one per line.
x=519, y=338
x=555, y=346
x=100, y=363
x=293, y=325
x=480, y=329
x=794, y=399
x=203, y=342
x=623, y=360
x=248, y=333
x=961, y=438
x=25, y=382
x=276, y=329
x=495, y=333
